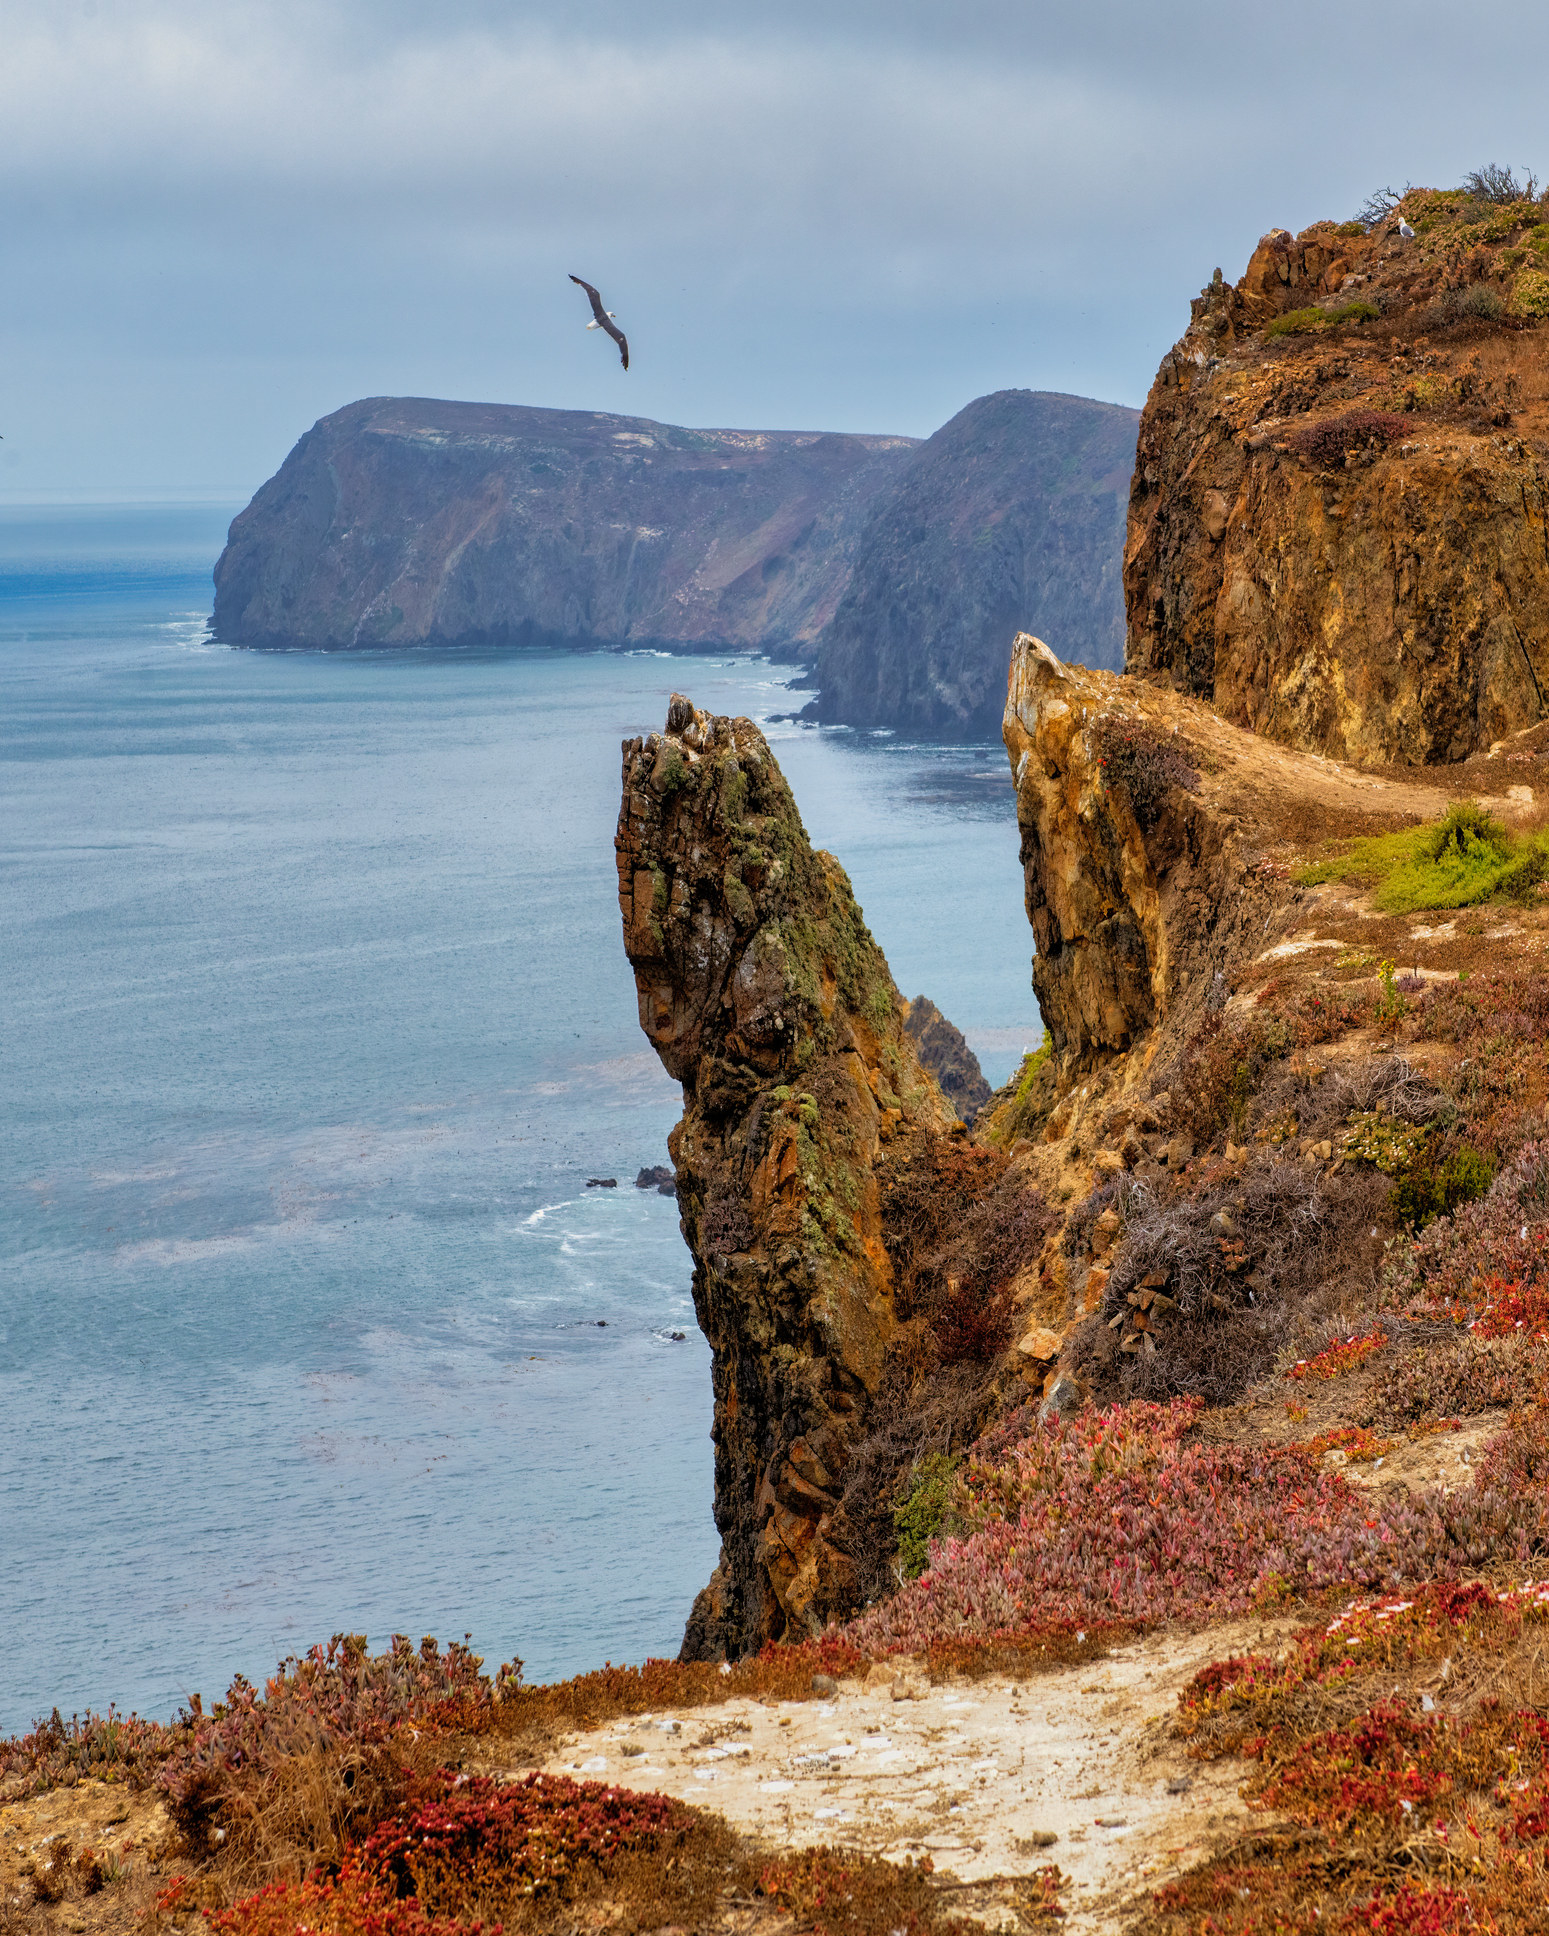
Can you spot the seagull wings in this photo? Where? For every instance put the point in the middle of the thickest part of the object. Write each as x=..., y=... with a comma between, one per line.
x=605, y=321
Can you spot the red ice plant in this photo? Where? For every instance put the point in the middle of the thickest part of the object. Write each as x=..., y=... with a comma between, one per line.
x=458, y=1841
x=1339, y=1357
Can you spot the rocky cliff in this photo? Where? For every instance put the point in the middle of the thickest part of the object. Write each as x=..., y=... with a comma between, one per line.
x=764, y=994
x=944, y=1050
x=1211, y=1000
x=1339, y=520
x=1010, y=516
x=1152, y=837
x=407, y=521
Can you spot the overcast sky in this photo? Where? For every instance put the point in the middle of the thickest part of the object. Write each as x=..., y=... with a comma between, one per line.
x=223, y=220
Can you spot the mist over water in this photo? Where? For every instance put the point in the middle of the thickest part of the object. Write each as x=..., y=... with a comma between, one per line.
x=316, y=1022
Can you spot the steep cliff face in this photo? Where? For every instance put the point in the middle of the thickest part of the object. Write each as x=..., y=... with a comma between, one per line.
x=1011, y=515
x=407, y=521
x=1156, y=838
x=1339, y=521
x=944, y=1050
x=1139, y=872
x=766, y=997
x=1184, y=978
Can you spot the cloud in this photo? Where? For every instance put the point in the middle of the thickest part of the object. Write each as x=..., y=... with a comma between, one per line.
x=850, y=214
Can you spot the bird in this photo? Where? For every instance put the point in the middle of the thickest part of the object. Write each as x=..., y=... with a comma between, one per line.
x=1405, y=230
x=603, y=319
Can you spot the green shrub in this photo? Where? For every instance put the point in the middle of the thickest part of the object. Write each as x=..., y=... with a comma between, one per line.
x=1463, y=859
x=1429, y=1191
x=1478, y=303
x=1030, y=1103
x=1481, y=300
x=1384, y=1142
x=1302, y=322
x=1530, y=297
x=919, y=1518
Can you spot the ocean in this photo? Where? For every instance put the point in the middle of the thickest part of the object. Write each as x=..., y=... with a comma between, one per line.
x=316, y=1020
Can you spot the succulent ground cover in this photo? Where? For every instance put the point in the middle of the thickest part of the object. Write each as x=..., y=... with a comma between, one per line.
x=336, y=1801
x=1403, y=1741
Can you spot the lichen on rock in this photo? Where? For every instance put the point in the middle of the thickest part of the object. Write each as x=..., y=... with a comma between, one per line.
x=764, y=994
x=1339, y=519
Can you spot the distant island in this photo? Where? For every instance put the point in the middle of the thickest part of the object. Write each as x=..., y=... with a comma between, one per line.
x=898, y=568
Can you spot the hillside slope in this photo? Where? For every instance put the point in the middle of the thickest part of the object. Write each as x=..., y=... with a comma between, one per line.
x=1010, y=516
x=410, y=521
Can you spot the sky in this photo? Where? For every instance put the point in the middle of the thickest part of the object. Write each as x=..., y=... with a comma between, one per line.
x=219, y=221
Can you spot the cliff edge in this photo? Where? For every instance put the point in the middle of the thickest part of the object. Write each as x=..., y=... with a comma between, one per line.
x=1339, y=519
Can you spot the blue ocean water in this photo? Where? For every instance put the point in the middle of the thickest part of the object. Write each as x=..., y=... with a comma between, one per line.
x=315, y=1022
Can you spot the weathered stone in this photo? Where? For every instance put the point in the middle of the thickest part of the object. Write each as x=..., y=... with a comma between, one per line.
x=1141, y=907
x=1040, y=1344
x=943, y=1050
x=1389, y=604
x=764, y=994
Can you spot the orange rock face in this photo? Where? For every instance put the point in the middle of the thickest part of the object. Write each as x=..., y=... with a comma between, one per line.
x=1340, y=534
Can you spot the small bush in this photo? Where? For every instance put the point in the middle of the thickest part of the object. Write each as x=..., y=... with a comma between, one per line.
x=920, y=1515
x=1499, y=186
x=1481, y=301
x=52, y=1870
x=1456, y=1378
x=1304, y=322
x=1530, y=296
x=1375, y=209
x=1145, y=768
x=1427, y=1191
x=303, y=1765
x=1459, y=861
x=459, y=1852
x=1501, y=1236
x=958, y=1229
x=830, y=1893
x=1327, y=444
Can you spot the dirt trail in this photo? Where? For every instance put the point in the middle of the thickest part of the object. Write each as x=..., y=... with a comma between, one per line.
x=991, y=1779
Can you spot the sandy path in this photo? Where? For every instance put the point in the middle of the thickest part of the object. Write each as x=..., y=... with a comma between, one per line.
x=979, y=1775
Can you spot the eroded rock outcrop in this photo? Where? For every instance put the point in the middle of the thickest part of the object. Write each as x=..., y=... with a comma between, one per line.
x=1160, y=848
x=1339, y=533
x=1139, y=872
x=765, y=995
x=944, y=1050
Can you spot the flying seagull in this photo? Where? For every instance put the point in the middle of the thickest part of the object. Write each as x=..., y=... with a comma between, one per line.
x=603, y=319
